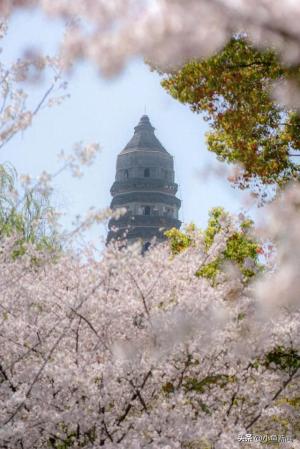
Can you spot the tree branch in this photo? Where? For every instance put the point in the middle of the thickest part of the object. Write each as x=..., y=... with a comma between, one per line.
x=142, y=295
x=133, y=397
x=2, y=371
x=280, y=390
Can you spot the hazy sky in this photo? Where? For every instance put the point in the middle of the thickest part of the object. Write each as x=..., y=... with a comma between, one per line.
x=106, y=111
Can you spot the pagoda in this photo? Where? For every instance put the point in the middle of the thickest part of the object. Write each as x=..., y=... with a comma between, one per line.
x=144, y=185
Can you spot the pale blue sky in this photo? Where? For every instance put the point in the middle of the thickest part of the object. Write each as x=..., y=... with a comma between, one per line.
x=106, y=111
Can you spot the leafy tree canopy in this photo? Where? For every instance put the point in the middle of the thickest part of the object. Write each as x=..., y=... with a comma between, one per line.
x=233, y=89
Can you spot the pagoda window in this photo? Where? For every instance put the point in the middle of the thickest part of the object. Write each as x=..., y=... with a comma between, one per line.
x=147, y=173
x=146, y=210
x=168, y=212
x=126, y=174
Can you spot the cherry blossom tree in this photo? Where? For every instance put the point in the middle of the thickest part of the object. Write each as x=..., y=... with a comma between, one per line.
x=125, y=350
x=132, y=350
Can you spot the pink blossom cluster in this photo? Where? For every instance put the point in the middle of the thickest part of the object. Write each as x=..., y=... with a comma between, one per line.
x=17, y=110
x=166, y=31
x=135, y=351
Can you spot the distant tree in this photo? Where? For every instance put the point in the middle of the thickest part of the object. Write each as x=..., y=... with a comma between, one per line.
x=27, y=215
x=233, y=88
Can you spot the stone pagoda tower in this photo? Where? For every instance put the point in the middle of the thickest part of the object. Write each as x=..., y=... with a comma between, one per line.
x=145, y=186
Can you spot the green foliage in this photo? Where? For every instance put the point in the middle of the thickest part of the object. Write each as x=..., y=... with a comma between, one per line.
x=25, y=217
x=214, y=226
x=279, y=358
x=209, y=270
x=168, y=388
x=200, y=386
x=71, y=438
x=233, y=89
x=282, y=358
x=192, y=384
x=178, y=240
x=241, y=246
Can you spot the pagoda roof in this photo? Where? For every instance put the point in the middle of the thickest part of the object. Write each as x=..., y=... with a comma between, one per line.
x=144, y=138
